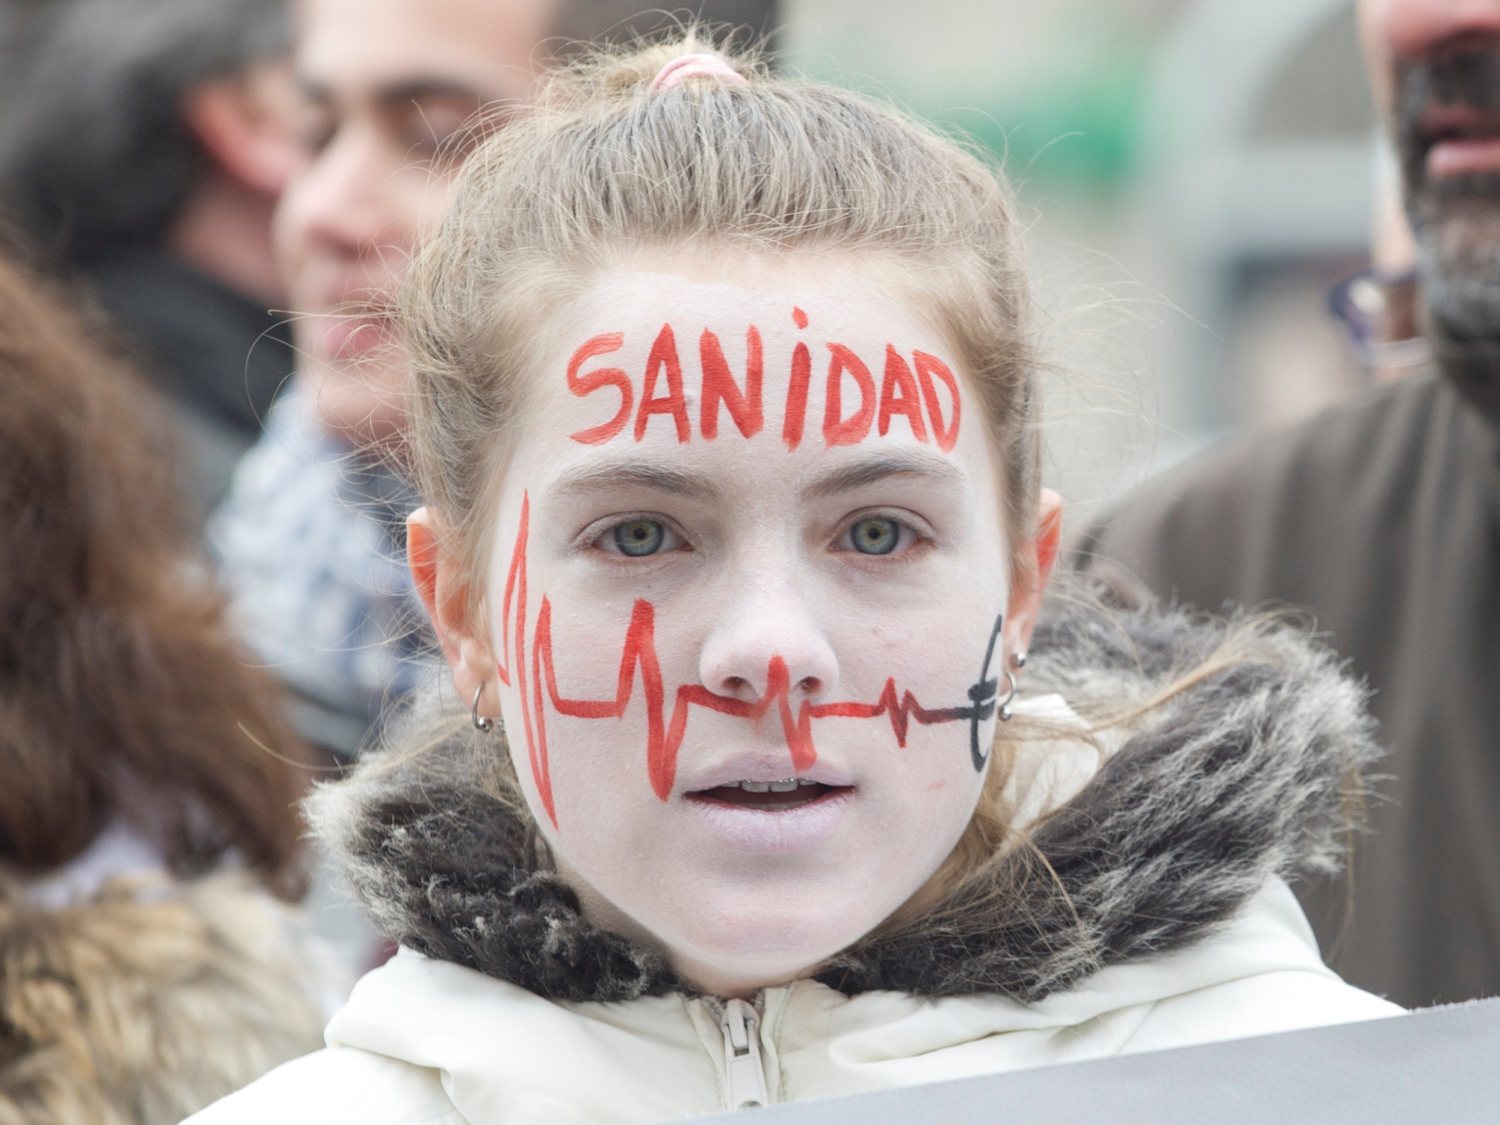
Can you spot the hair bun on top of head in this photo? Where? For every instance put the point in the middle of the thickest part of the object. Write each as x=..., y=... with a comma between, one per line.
x=598, y=74
x=700, y=65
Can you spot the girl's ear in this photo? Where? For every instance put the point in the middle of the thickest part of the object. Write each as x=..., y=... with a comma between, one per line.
x=1026, y=597
x=440, y=584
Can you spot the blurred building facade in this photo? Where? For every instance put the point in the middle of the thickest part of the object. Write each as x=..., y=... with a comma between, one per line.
x=1195, y=173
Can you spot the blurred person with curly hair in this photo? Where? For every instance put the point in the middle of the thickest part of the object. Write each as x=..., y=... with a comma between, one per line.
x=150, y=955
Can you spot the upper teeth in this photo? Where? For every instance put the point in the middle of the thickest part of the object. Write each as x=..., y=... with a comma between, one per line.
x=786, y=786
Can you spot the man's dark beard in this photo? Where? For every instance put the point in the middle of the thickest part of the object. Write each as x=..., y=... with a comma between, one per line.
x=1456, y=221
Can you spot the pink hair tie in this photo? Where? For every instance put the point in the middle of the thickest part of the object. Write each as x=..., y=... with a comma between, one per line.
x=696, y=66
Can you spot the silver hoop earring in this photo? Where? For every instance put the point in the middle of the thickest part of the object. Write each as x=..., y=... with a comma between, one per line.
x=1005, y=708
x=482, y=723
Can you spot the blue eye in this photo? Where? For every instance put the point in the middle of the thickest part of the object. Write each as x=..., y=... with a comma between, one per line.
x=875, y=535
x=639, y=538
x=635, y=537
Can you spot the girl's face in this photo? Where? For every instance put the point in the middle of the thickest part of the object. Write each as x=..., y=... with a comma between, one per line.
x=748, y=608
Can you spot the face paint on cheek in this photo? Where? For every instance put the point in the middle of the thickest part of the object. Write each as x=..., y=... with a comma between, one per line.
x=664, y=738
x=511, y=667
x=982, y=695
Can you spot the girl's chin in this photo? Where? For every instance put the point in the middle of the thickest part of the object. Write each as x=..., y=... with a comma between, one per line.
x=719, y=978
x=758, y=959
x=733, y=937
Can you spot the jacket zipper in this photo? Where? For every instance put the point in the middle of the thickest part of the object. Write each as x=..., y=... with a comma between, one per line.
x=745, y=1075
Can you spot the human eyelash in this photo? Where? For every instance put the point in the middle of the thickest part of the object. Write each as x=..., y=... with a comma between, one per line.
x=922, y=536
x=592, y=536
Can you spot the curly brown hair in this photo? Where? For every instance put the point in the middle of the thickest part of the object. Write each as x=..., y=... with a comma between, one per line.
x=122, y=693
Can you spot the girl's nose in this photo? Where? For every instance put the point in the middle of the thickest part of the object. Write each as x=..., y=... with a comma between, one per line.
x=764, y=637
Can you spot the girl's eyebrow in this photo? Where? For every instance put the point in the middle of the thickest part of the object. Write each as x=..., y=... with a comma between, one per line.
x=640, y=474
x=836, y=481
x=882, y=466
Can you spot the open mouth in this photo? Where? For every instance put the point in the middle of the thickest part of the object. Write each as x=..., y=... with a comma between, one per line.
x=769, y=796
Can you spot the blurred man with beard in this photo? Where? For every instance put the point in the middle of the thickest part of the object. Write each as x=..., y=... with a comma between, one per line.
x=1439, y=70
x=310, y=541
x=1382, y=518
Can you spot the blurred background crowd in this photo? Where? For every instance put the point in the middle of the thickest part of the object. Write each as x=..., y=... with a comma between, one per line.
x=215, y=198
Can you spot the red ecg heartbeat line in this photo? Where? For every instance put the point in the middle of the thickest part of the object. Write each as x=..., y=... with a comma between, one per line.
x=664, y=739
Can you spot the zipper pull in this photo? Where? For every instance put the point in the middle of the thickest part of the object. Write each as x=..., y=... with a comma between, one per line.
x=742, y=1066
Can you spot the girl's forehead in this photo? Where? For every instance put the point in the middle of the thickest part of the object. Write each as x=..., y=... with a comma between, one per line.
x=748, y=365
x=844, y=293
x=735, y=378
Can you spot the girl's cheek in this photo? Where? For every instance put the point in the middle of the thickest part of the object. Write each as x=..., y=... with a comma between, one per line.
x=890, y=641
x=930, y=649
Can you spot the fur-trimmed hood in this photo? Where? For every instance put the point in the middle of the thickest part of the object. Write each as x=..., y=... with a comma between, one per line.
x=1247, y=773
x=144, y=1000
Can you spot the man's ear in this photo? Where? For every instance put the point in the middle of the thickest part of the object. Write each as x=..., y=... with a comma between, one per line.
x=244, y=123
x=440, y=583
x=1026, y=595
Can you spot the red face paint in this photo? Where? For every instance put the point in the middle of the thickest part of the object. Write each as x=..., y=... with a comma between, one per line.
x=898, y=395
x=582, y=385
x=796, y=396
x=927, y=367
x=664, y=737
x=663, y=361
x=838, y=430
x=513, y=662
x=852, y=403
x=719, y=386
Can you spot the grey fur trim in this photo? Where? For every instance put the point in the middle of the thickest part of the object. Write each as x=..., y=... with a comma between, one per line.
x=1244, y=776
x=442, y=866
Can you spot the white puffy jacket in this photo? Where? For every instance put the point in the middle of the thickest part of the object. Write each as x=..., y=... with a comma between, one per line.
x=1159, y=918
x=424, y=1041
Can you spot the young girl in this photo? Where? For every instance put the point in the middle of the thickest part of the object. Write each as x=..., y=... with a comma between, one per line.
x=724, y=409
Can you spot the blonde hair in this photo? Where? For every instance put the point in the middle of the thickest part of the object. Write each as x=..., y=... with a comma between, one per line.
x=606, y=167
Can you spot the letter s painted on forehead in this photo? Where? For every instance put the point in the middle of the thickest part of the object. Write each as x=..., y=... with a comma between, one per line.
x=582, y=385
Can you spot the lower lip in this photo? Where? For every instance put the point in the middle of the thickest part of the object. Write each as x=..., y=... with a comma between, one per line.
x=774, y=830
x=1458, y=156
